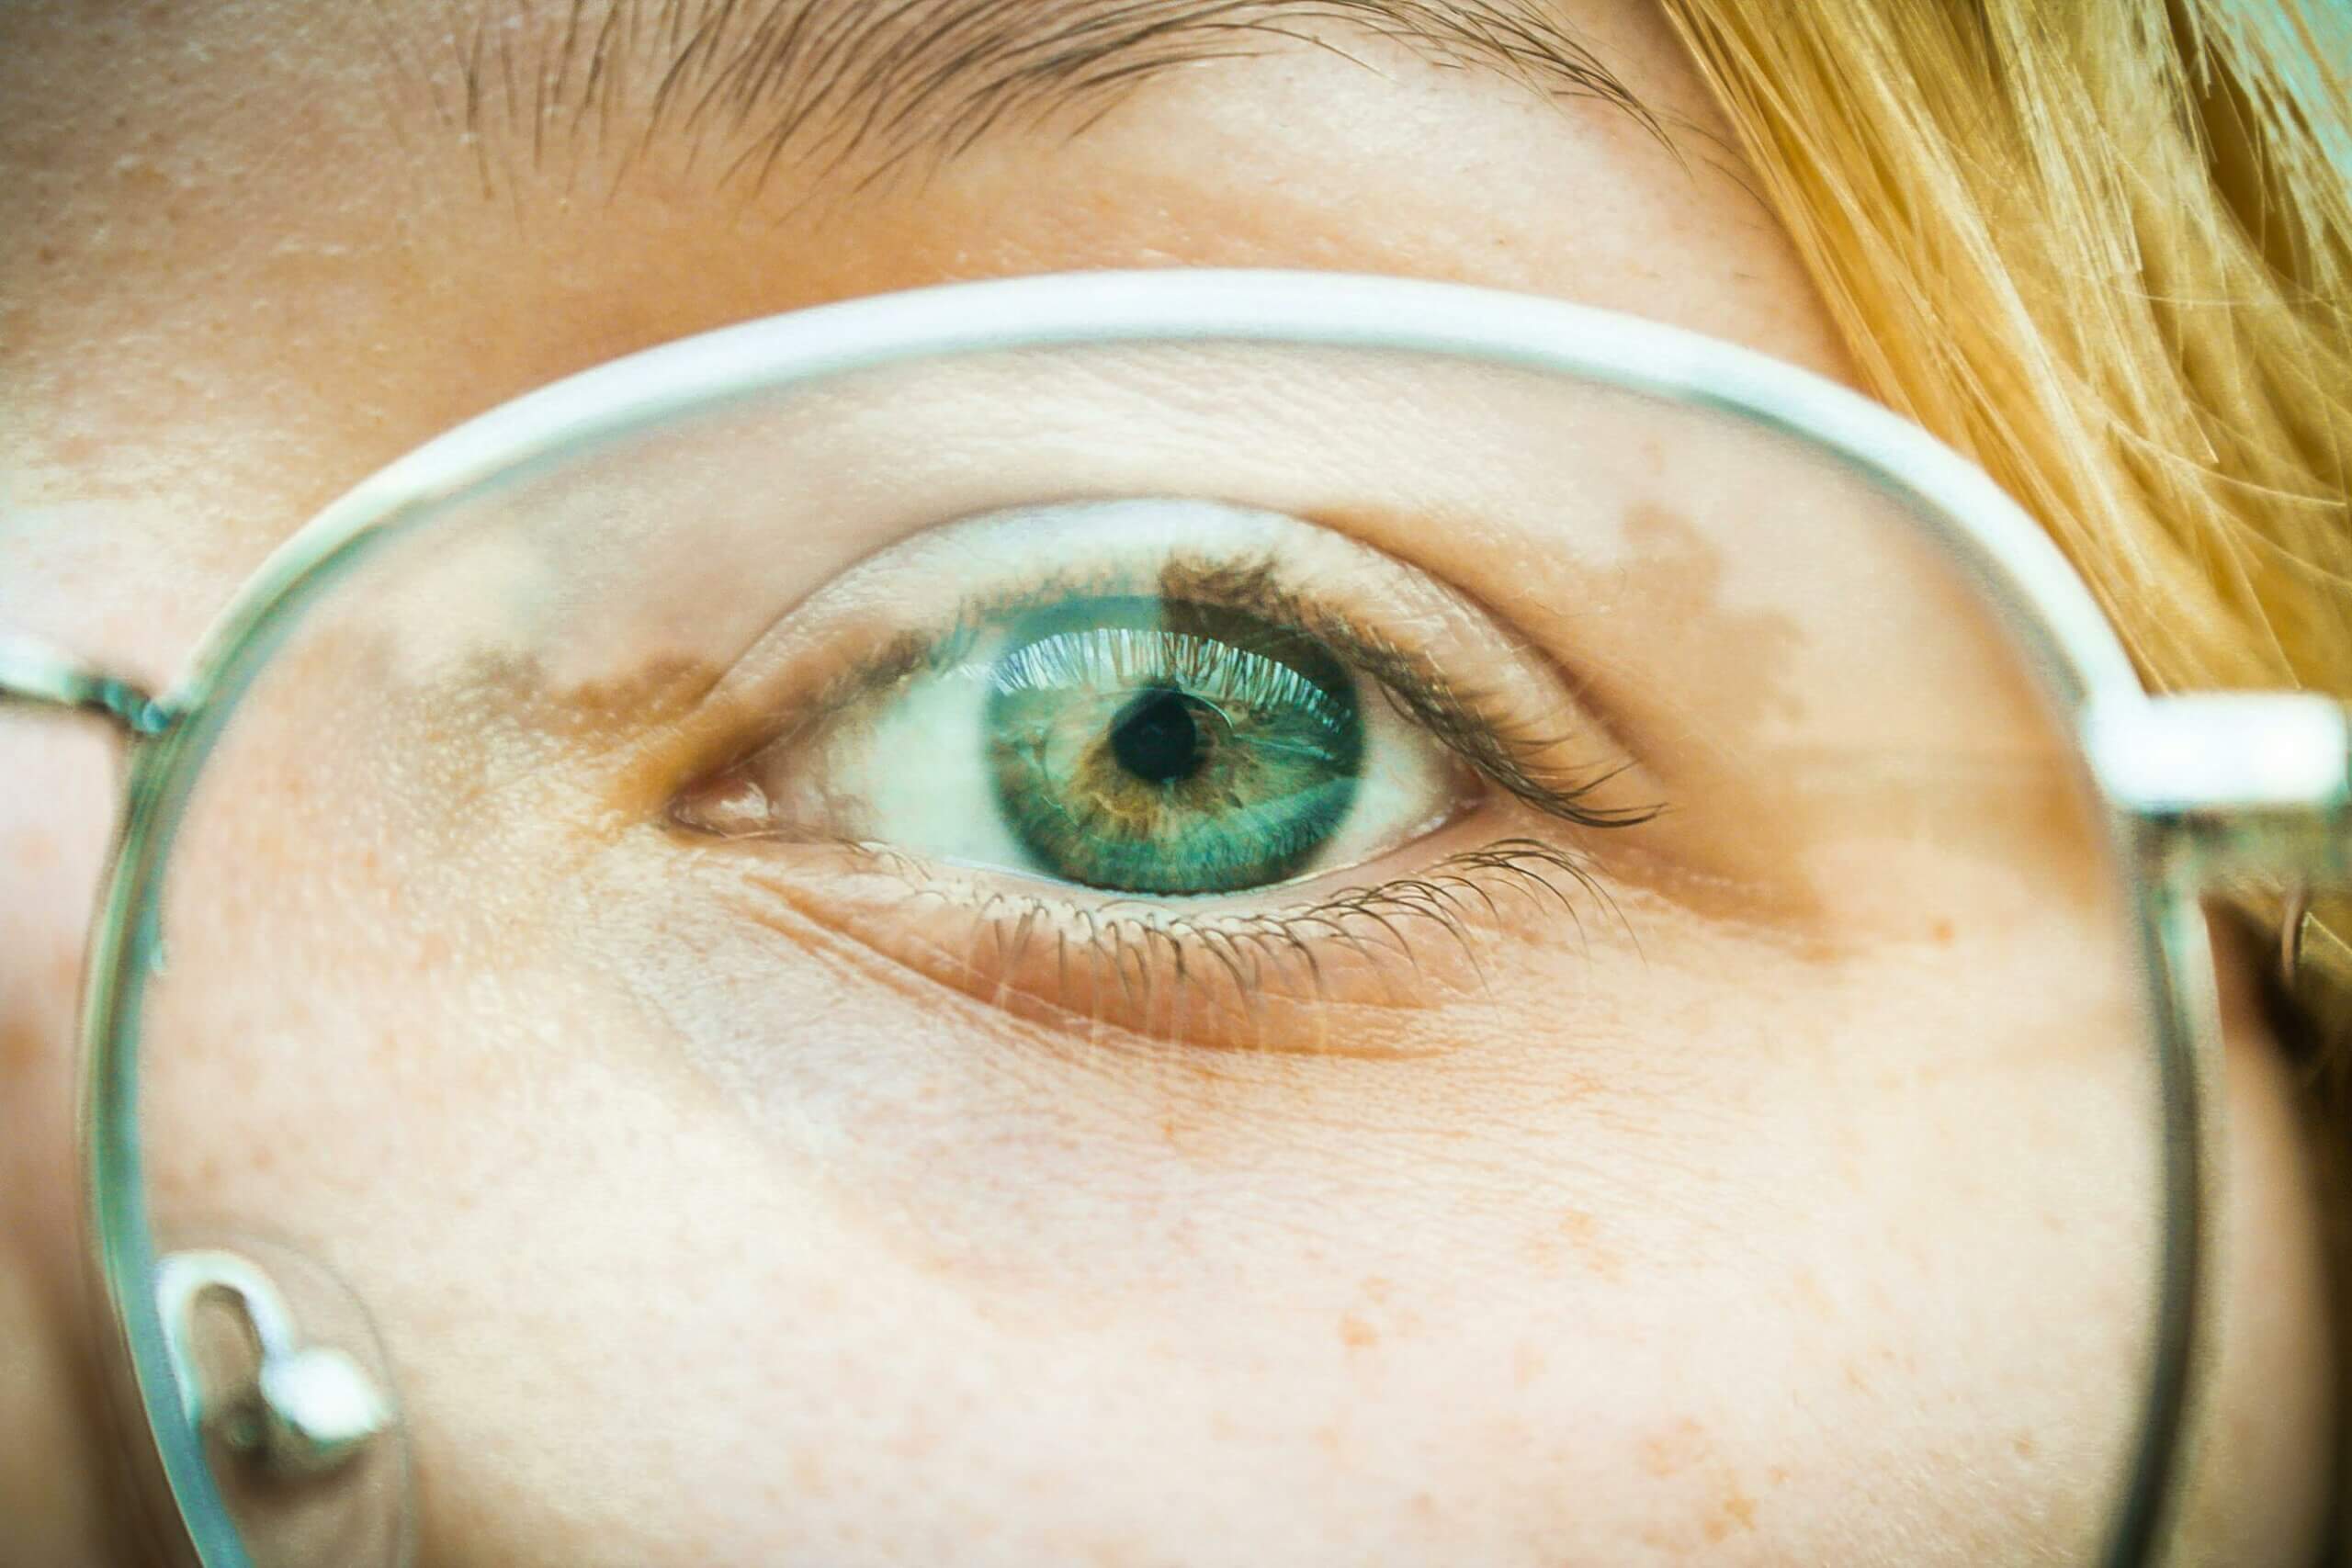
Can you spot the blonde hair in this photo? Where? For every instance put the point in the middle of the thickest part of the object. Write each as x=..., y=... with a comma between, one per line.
x=2104, y=248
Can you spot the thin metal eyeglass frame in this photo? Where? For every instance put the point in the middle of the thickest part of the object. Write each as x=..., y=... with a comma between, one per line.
x=2017, y=571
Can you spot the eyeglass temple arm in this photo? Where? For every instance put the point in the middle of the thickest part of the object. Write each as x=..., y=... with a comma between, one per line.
x=2224, y=783
x=2231, y=786
x=34, y=673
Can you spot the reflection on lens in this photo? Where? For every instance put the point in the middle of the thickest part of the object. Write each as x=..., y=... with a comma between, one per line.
x=1164, y=747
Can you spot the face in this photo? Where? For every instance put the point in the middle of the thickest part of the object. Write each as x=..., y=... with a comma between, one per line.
x=1497, y=1096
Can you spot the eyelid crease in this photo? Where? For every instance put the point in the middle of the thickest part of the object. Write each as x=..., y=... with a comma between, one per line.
x=1512, y=750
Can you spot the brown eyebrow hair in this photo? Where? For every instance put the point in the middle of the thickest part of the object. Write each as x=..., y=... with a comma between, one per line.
x=881, y=83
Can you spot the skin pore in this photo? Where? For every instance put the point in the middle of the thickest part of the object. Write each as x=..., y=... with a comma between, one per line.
x=250, y=252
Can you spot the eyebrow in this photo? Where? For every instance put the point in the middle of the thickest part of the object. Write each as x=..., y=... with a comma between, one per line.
x=882, y=83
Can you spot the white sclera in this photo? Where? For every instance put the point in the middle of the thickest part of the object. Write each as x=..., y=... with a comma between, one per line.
x=909, y=767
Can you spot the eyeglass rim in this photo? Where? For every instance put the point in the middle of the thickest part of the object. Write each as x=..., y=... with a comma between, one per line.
x=1961, y=504
x=2016, y=569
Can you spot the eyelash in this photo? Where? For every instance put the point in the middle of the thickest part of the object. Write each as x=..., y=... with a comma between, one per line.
x=1162, y=968
x=1180, y=968
x=1505, y=751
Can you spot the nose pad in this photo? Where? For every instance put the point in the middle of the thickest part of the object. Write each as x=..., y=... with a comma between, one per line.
x=281, y=1373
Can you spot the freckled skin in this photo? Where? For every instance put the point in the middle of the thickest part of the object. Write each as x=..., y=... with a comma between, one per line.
x=1082, y=1306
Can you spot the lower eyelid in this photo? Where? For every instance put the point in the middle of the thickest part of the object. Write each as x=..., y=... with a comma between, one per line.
x=1358, y=967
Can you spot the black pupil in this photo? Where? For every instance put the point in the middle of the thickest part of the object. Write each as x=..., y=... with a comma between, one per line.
x=1155, y=738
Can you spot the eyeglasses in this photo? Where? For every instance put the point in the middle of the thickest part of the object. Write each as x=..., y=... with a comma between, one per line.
x=1264, y=703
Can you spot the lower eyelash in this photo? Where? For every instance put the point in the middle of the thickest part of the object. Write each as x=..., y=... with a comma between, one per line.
x=1338, y=975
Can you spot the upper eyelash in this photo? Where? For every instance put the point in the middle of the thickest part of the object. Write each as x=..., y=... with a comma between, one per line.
x=1500, y=749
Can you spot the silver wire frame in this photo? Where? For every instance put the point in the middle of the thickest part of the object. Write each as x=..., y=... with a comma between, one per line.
x=1996, y=546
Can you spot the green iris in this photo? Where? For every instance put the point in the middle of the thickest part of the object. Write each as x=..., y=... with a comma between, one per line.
x=1158, y=746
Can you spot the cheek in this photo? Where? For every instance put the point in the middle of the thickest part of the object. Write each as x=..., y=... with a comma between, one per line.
x=694, y=1244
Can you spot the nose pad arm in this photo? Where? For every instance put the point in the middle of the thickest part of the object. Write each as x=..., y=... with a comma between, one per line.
x=307, y=1409
x=279, y=1371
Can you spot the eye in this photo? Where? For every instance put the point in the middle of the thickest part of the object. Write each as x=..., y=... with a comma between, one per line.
x=1145, y=721
x=1131, y=743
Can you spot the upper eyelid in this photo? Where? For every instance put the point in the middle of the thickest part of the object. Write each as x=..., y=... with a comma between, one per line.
x=1452, y=709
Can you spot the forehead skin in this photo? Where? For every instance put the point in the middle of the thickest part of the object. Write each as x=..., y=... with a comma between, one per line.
x=252, y=226
x=250, y=252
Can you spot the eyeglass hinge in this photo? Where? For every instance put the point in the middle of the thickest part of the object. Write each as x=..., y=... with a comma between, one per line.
x=2228, y=785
